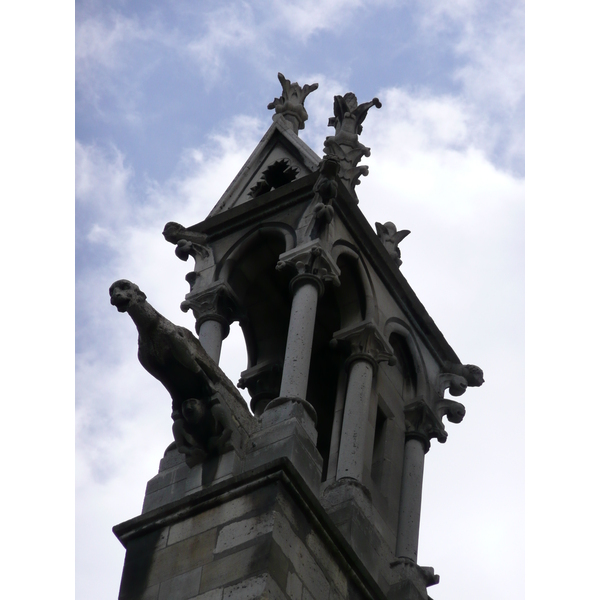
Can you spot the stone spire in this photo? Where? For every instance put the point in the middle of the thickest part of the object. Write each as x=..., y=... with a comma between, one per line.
x=290, y=105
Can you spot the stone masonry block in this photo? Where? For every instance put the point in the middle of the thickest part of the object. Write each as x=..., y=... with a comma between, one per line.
x=166, y=478
x=255, y=588
x=326, y=561
x=241, y=532
x=138, y=564
x=290, y=412
x=184, y=556
x=299, y=450
x=182, y=587
x=221, y=514
x=294, y=587
x=163, y=496
x=216, y=594
x=234, y=567
x=305, y=566
x=171, y=459
x=228, y=464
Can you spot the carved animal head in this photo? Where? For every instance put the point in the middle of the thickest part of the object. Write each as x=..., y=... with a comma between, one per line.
x=123, y=294
x=194, y=410
x=172, y=232
x=474, y=375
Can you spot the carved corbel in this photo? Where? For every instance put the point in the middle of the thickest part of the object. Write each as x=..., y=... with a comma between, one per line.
x=347, y=121
x=310, y=260
x=188, y=243
x=390, y=238
x=290, y=105
x=364, y=342
x=455, y=384
x=471, y=373
x=216, y=303
x=423, y=424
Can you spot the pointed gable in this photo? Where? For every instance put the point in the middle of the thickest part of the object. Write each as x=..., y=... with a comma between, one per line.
x=280, y=157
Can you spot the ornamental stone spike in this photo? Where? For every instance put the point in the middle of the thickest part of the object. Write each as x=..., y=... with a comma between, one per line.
x=290, y=105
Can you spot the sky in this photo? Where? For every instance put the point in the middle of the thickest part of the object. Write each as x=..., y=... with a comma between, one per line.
x=170, y=100
x=165, y=102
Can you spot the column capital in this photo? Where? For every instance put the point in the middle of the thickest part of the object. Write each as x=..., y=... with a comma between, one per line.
x=364, y=342
x=423, y=424
x=310, y=259
x=215, y=303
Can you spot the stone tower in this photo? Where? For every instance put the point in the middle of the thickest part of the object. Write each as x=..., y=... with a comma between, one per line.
x=314, y=493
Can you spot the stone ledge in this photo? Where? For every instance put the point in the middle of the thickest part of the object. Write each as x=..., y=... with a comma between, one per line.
x=280, y=472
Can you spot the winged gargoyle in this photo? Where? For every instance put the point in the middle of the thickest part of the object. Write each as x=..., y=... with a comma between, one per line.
x=390, y=238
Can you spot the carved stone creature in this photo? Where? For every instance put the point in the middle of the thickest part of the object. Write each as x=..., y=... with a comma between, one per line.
x=291, y=103
x=472, y=373
x=349, y=116
x=201, y=425
x=390, y=238
x=348, y=119
x=202, y=429
x=187, y=242
x=168, y=352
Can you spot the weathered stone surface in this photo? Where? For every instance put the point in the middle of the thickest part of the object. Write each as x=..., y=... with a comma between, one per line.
x=223, y=513
x=241, y=532
x=184, y=556
x=182, y=587
x=232, y=568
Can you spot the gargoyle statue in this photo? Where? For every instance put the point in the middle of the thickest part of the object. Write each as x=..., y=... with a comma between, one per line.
x=390, y=238
x=168, y=352
x=202, y=429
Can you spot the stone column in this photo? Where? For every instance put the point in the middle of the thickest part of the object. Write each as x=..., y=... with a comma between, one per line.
x=356, y=413
x=294, y=380
x=313, y=267
x=409, y=518
x=368, y=347
x=421, y=425
x=211, y=332
x=214, y=309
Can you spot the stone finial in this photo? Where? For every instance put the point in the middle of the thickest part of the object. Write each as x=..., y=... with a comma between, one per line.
x=290, y=105
x=347, y=120
x=390, y=238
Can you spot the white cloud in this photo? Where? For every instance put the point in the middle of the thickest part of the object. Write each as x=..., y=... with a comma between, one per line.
x=102, y=191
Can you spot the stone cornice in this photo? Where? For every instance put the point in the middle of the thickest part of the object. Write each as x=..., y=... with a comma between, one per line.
x=280, y=471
